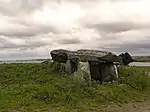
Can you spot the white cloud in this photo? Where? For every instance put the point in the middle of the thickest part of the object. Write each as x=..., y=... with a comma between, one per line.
x=65, y=14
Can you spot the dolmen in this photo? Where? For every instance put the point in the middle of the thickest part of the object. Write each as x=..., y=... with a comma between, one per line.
x=99, y=65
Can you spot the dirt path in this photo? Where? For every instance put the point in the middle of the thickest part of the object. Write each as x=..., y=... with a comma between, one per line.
x=138, y=107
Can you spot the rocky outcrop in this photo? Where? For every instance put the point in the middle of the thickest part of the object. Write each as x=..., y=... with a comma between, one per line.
x=59, y=55
x=126, y=58
x=99, y=64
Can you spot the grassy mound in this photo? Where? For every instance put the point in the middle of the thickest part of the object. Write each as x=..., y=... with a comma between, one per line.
x=35, y=87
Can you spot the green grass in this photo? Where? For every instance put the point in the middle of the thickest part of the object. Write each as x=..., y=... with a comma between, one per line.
x=142, y=58
x=35, y=88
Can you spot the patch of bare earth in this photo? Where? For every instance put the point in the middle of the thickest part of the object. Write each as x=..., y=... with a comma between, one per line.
x=135, y=107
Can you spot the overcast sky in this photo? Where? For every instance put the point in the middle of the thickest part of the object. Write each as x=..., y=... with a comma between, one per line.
x=32, y=28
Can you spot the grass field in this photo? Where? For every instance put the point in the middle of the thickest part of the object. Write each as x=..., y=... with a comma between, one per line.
x=141, y=58
x=35, y=88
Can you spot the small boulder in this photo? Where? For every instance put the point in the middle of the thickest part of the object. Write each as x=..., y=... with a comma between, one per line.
x=59, y=55
x=126, y=58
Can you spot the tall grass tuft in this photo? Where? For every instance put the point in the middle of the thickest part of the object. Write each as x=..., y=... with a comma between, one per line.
x=135, y=77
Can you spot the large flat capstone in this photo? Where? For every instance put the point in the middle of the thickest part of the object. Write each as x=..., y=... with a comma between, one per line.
x=84, y=55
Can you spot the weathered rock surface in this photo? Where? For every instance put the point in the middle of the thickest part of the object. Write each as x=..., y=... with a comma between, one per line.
x=82, y=76
x=83, y=55
x=88, y=64
x=59, y=55
x=72, y=65
x=95, y=71
x=103, y=71
x=68, y=67
x=126, y=58
x=97, y=55
x=109, y=72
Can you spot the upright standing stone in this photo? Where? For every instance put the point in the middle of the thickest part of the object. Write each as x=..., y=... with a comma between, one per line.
x=95, y=71
x=72, y=65
x=82, y=75
x=109, y=72
x=116, y=72
x=68, y=67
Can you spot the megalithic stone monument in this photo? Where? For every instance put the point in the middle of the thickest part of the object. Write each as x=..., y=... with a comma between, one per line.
x=99, y=64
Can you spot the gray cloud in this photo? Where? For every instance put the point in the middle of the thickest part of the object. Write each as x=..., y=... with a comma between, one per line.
x=11, y=8
x=25, y=54
x=142, y=46
x=69, y=41
x=25, y=44
x=28, y=31
x=116, y=27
